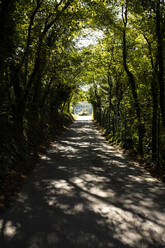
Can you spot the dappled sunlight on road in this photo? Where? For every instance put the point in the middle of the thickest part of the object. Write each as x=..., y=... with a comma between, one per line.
x=85, y=194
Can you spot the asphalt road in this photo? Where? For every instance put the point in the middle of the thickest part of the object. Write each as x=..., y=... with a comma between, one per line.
x=85, y=194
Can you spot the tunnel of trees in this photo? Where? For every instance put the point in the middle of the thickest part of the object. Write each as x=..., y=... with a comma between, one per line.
x=43, y=71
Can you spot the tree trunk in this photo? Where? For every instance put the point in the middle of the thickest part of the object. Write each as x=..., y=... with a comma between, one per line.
x=154, y=121
x=155, y=105
x=7, y=48
x=160, y=60
x=131, y=80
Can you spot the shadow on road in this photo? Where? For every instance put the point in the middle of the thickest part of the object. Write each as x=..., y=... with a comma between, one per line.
x=84, y=193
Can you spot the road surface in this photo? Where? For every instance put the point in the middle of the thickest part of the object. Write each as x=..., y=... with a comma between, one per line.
x=85, y=194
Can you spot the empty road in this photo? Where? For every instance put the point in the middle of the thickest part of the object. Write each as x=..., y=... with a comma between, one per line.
x=85, y=194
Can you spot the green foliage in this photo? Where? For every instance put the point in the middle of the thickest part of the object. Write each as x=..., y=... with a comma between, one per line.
x=43, y=72
x=110, y=90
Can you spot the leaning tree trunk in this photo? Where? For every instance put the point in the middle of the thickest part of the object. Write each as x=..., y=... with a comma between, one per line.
x=132, y=83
